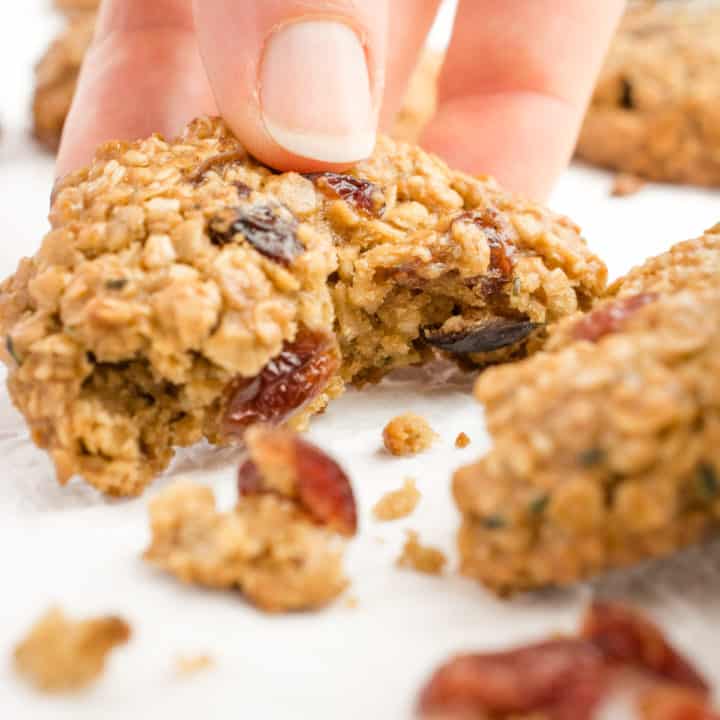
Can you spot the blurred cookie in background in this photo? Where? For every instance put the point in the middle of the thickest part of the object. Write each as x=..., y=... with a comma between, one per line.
x=656, y=109
x=57, y=72
x=56, y=76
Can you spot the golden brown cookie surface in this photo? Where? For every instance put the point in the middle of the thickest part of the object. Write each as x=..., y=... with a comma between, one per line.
x=186, y=291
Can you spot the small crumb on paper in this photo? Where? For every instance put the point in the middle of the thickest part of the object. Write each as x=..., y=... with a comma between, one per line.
x=421, y=558
x=399, y=503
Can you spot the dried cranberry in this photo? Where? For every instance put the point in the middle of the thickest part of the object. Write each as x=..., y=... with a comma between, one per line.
x=610, y=318
x=493, y=335
x=270, y=234
x=562, y=679
x=628, y=638
x=363, y=194
x=283, y=386
x=324, y=488
x=498, y=233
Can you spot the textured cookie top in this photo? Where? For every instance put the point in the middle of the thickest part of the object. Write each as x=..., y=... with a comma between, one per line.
x=170, y=248
x=663, y=53
x=180, y=273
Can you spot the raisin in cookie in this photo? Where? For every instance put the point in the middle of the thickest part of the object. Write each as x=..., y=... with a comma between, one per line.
x=656, y=109
x=186, y=291
x=56, y=78
x=606, y=444
x=281, y=545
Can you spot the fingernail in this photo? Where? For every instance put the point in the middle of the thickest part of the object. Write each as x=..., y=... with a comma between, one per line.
x=315, y=92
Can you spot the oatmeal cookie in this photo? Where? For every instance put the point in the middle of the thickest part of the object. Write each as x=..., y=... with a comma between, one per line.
x=187, y=665
x=61, y=655
x=462, y=440
x=606, y=444
x=281, y=545
x=420, y=99
x=184, y=291
x=656, y=110
x=56, y=77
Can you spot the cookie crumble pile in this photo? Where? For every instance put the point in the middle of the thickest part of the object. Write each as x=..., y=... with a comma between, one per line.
x=282, y=544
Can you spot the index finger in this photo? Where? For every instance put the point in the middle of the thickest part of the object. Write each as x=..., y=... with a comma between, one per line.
x=515, y=84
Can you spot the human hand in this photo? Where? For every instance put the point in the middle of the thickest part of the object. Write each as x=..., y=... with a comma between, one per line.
x=305, y=84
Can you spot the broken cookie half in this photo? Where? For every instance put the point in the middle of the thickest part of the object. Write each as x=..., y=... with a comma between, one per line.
x=607, y=443
x=282, y=544
x=186, y=291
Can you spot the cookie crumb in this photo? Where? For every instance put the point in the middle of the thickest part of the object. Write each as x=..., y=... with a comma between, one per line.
x=408, y=434
x=398, y=503
x=611, y=637
x=422, y=558
x=462, y=440
x=61, y=655
x=626, y=184
x=282, y=545
x=186, y=665
x=351, y=602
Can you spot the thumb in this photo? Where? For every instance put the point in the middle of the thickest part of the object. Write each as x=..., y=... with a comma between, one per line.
x=300, y=83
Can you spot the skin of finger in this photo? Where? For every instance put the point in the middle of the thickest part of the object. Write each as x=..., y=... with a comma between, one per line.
x=142, y=74
x=232, y=36
x=410, y=22
x=515, y=84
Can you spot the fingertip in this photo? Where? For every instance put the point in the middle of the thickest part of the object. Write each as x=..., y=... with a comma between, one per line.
x=300, y=85
x=523, y=140
x=133, y=84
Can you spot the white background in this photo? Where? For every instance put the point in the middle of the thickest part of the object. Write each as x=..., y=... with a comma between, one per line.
x=73, y=547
